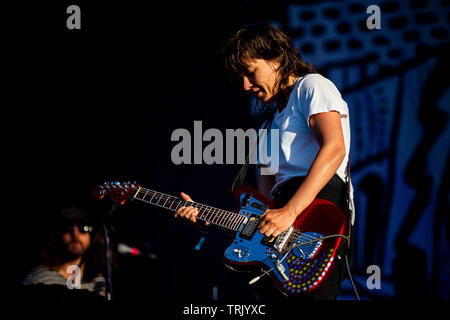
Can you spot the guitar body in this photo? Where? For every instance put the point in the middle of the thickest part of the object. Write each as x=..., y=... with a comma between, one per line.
x=304, y=268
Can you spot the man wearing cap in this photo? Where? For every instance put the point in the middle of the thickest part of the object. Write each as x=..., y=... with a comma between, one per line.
x=68, y=268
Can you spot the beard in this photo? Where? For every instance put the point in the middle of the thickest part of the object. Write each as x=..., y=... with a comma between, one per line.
x=74, y=249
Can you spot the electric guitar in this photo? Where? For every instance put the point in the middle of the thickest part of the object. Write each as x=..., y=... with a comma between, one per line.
x=299, y=260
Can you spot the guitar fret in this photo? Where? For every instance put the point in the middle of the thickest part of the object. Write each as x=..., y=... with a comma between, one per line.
x=146, y=193
x=230, y=221
x=219, y=217
x=174, y=201
x=157, y=199
x=179, y=202
x=164, y=205
x=223, y=218
x=154, y=194
x=168, y=203
x=234, y=222
x=211, y=214
x=239, y=222
x=217, y=213
x=201, y=213
x=138, y=192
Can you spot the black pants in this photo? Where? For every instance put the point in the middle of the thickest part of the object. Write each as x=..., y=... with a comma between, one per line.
x=335, y=191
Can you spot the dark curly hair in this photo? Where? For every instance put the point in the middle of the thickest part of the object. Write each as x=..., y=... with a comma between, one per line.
x=265, y=41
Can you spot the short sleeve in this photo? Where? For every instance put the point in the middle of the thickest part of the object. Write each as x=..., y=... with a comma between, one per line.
x=318, y=94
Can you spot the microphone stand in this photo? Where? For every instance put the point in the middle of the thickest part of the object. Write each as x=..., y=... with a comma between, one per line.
x=108, y=263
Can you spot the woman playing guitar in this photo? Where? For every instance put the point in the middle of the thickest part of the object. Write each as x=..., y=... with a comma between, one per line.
x=314, y=131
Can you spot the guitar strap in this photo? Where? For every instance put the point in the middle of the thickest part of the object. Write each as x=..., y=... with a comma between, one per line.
x=240, y=177
x=350, y=203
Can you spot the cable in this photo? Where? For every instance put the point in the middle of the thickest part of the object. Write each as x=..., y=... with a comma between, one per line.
x=317, y=239
x=350, y=277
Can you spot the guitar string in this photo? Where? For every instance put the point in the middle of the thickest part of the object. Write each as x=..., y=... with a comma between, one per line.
x=240, y=218
x=235, y=218
x=166, y=197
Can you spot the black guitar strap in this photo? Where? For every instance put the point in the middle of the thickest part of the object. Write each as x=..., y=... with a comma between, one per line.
x=240, y=177
x=350, y=204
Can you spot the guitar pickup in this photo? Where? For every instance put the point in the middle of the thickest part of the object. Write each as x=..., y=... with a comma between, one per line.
x=250, y=228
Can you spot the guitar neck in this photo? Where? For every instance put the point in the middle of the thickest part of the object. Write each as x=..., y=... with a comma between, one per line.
x=225, y=219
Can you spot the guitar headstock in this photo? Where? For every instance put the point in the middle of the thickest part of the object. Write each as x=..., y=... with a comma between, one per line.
x=117, y=191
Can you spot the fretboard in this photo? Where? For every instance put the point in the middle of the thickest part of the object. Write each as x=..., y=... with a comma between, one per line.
x=222, y=218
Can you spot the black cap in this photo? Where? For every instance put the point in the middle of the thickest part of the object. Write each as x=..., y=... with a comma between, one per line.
x=73, y=214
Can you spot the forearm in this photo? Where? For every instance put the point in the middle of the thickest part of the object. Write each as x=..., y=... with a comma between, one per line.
x=322, y=169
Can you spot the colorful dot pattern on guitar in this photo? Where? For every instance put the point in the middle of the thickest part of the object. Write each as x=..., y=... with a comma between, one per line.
x=304, y=275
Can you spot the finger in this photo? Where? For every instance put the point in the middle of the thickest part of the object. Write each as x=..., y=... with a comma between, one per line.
x=189, y=213
x=264, y=221
x=270, y=232
x=186, y=197
x=264, y=228
x=276, y=233
x=262, y=217
x=180, y=209
x=192, y=214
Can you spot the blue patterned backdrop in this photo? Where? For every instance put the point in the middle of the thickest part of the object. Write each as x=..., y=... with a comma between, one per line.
x=395, y=81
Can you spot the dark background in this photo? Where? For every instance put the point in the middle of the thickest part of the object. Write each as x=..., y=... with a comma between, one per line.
x=100, y=104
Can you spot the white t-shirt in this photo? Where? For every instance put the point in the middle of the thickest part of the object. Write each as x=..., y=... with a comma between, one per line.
x=312, y=94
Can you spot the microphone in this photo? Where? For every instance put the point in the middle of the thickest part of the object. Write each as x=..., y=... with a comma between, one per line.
x=123, y=248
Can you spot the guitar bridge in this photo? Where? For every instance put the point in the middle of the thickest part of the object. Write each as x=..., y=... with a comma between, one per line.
x=279, y=242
